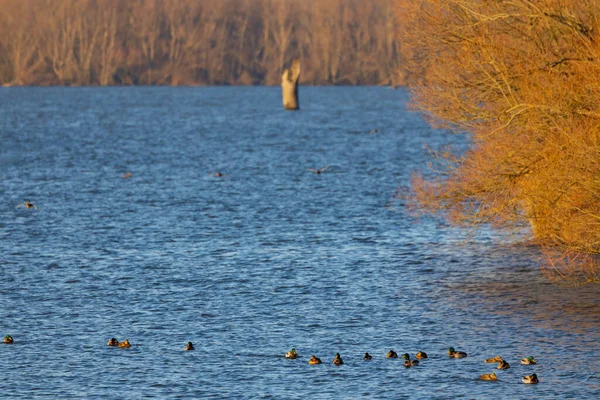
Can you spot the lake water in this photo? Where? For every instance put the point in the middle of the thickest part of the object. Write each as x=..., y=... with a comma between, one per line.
x=265, y=258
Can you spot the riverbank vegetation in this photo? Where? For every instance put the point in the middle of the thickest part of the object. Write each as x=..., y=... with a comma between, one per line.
x=522, y=79
x=193, y=42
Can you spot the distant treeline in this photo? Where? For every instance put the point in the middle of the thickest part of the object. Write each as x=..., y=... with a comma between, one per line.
x=195, y=42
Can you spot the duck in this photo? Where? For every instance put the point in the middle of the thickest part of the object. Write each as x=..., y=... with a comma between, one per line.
x=292, y=355
x=407, y=359
x=127, y=175
x=456, y=354
x=528, y=361
x=189, y=346
x=367, y=357
x=318, y=171
x=125, y=344
x=113, y=342
x=488, y=377
x=314, y=360
x=8, y=339
x=503, y=365
x=531, y=379
x=28, y=205
x=218, y=174
x=421, y=354
x=391, y=354
x=496, y=359
x=338, y=359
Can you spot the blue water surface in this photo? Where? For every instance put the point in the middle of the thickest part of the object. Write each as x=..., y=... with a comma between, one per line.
x=267, y=257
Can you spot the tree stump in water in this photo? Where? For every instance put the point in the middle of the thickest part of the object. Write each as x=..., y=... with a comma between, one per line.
x=289, y=86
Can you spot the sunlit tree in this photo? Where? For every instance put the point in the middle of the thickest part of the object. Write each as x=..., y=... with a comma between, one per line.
x=522, y=78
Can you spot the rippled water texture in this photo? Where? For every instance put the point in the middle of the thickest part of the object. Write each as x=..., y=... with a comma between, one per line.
x=267, y=257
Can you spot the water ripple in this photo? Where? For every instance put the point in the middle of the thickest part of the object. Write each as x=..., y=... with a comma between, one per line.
x=268, y=257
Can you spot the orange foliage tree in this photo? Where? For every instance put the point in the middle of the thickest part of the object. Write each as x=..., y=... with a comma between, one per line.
x=522, y=78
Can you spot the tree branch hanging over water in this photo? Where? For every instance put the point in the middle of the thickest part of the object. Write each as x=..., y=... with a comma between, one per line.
x=523, y=79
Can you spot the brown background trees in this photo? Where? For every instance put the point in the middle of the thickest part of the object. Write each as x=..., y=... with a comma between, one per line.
x=523, y=79
x=195, y=42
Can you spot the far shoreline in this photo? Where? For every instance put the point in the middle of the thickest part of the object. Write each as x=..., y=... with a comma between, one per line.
x=4, y=86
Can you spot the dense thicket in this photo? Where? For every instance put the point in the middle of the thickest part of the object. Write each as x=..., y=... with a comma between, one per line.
x=523, y=79
x=195, y=42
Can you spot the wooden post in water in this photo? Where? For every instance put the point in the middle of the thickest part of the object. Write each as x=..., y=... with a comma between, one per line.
x=289, y=86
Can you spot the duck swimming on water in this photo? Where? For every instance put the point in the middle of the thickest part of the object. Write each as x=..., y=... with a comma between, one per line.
x=318, y=171
x=496, y=359
x=528, y=361
x=314, y=360
x=531, y=379
x=338, y=359
x=408, y=362
x=28, y=205
x=292, y=355
x=189, y=347
x=391, y=354
x=456, y=354
x=488, y=377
